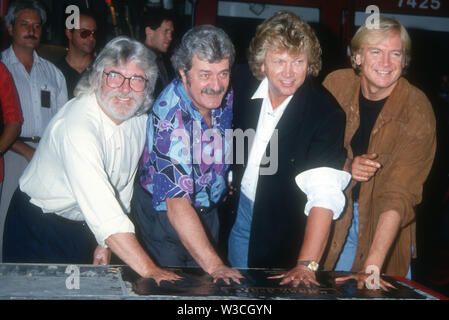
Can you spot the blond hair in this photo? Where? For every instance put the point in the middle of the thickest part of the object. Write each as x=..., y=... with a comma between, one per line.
x=284, y=31
x=386, y=25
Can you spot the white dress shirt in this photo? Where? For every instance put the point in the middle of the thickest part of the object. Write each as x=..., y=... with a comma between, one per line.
x=268, y=120
x=323, y=186
x=84, y=167
x=44, y=76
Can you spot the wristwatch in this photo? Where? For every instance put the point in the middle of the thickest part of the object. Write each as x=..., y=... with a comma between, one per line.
x=311, y=264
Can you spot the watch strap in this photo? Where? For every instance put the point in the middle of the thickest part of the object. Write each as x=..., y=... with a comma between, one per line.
x=310, y=264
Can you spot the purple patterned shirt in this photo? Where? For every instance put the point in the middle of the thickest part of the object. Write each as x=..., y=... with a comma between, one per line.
x=183, y=157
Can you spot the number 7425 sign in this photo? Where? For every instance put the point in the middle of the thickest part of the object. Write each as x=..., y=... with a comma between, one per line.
x=420, y=4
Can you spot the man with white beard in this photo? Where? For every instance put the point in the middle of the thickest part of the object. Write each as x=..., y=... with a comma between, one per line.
x=73, y=199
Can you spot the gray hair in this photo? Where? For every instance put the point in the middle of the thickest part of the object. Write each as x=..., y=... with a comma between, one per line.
x=20, y=5
x=117, y=51
x=209, y=43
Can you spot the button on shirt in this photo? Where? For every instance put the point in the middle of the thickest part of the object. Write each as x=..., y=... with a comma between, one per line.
x=183, y=157
x=84, y=167
x=268, y=120
x=44, y=76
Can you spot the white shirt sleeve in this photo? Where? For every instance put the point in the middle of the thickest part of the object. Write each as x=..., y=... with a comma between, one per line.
x=324, y=188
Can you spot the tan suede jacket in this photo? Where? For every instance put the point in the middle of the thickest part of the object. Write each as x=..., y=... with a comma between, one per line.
x=405, y=140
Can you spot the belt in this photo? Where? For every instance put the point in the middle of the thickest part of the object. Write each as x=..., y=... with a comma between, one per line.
x=34, y=139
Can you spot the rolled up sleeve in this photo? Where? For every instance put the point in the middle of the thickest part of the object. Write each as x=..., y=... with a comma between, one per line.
x=324, y=188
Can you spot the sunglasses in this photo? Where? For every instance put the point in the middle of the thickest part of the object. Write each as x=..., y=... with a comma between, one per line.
x=85, y=33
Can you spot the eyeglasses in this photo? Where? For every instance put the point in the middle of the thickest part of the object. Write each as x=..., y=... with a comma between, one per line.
x=116, y=80
x=85, y=33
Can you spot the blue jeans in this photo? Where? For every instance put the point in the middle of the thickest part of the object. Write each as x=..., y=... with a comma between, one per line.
x=347, y=256
x=239, y=237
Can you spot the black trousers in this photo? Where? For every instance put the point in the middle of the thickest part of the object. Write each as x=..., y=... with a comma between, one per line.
x=156, y=234
x=31, y=236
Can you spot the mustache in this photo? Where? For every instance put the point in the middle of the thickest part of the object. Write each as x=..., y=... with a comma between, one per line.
x=131, y=95
x=30, y=37
x=212, y=91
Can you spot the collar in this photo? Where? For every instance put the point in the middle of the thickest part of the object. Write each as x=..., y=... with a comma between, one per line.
x=262, y=93
x=262, y=90
x=393, y=108
x=11, y=58
x=108, y=125
x=189, y=107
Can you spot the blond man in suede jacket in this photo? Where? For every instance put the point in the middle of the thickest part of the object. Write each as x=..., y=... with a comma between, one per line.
x=391, y=141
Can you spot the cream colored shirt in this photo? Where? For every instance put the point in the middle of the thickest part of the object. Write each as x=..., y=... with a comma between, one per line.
x=84, y=167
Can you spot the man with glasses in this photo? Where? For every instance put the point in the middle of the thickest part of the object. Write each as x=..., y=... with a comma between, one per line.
x=74, y=197
x=41, y=87
x=81, y=45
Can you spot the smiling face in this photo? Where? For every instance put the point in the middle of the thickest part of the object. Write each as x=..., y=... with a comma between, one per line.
x=120, y=103
x=27, y=29
x=206, y=83
x=286, y=72
x=381, y=62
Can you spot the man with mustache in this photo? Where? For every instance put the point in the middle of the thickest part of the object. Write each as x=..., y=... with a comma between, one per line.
x=41, y=87
x=74, y=197
x=81, y=45
x=182, y=172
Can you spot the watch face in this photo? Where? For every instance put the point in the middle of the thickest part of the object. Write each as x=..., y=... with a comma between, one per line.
x=313, y=266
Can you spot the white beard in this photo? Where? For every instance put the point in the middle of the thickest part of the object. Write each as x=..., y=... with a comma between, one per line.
x=120, y=114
